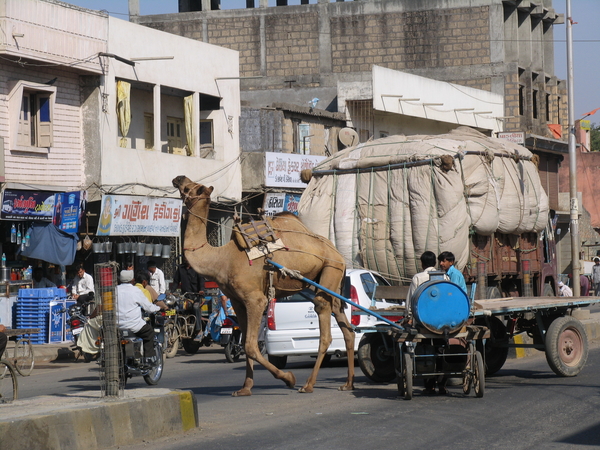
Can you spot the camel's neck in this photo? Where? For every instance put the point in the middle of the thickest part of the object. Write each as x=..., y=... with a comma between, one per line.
x=204, y=258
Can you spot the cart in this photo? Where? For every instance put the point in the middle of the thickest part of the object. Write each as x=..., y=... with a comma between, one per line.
x=440, y=315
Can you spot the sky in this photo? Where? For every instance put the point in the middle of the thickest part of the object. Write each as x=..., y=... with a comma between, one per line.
x=586, y=40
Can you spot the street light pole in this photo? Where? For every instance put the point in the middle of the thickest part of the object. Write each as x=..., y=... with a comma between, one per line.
x=574, y=206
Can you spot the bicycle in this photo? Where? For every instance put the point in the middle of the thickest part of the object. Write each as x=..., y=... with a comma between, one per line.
x=9, y=386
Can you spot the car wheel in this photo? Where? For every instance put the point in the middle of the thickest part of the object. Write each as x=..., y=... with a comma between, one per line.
x=376, y=357
x=278, y=361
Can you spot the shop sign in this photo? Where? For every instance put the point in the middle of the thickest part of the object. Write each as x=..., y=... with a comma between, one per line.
x=283, y=169
x=516, y=137
x=68, y=209
x=276, y=203
x=27, y=205
x=124, y=215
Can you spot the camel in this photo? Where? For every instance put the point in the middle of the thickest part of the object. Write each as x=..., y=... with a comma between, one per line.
x=247, y=284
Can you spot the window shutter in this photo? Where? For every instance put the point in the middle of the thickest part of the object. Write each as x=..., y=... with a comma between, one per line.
x=44, y=120
x=24, y=129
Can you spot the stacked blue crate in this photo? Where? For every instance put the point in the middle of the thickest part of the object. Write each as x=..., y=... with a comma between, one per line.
x=33, y=310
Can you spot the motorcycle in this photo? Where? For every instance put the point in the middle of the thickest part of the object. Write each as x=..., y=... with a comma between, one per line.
x=76, y=321
x=133, y=361
x=230, y=337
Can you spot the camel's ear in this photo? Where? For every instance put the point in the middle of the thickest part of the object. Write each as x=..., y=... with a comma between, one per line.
x=209, y=190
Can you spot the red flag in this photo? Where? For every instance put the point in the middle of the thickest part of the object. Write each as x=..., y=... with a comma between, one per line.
x=591, y=113
x=556, y=130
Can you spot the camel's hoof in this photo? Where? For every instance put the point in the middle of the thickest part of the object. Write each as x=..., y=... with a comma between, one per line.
x=346, y=388
x=242, y=393
x=290, y=380
x=306, y=390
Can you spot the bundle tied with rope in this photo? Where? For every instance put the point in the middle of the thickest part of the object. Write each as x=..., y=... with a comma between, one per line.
x=383, y=203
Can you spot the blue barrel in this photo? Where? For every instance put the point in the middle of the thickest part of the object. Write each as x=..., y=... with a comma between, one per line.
x=440, y=306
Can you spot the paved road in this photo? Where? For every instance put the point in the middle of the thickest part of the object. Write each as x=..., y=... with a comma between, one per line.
x=525, y=407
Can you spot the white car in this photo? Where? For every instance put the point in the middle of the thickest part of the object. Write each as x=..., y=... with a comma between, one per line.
x=293, y=324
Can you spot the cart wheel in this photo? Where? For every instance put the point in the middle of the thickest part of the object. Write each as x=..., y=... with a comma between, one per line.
x=478, y=376
x=468, y=376
x=407, y=376
x=566, y=346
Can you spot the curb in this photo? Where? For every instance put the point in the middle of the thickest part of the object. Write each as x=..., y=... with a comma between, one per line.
x=95, y=423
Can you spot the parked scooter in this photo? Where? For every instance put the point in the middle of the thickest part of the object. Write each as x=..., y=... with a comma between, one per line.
x=76, y=321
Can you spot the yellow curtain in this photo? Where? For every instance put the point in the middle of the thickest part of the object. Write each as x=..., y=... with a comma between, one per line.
x=123, y=110
x=188, y=114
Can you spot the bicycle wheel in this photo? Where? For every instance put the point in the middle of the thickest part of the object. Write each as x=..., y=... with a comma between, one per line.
x=9, y=387
x=24, y=357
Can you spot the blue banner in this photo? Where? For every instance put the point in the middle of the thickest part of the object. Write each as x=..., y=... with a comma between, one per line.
x=57, y=322
x=27, y=205
x=67, y=211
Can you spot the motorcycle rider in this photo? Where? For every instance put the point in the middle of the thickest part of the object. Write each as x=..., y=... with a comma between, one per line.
x=190, y=282
x=129, y=315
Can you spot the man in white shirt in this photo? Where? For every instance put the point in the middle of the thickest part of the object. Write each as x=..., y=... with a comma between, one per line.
x=565, y=291
x=39, y=281
x=157, y=278
x=129, y=315
x=83, y=286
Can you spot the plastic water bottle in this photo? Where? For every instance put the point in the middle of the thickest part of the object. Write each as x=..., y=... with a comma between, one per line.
x=28, y=238
x=19, y=237
x=3, y=260
x=13, y=234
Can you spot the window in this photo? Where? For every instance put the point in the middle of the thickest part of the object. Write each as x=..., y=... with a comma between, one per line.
x=31, y=113
x=535, y=103
x=207, y=144
x=175, y=136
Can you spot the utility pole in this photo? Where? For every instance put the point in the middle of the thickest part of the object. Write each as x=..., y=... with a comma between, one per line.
x=574, y=206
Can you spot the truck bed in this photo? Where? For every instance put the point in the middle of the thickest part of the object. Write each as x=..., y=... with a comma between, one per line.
x=520, y=304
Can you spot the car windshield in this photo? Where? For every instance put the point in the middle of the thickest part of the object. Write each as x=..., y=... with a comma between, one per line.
x=306, y=295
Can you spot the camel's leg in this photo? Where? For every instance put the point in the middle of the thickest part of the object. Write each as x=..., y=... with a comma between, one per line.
x=322, y=303
x=349, y=337
x=249, y=319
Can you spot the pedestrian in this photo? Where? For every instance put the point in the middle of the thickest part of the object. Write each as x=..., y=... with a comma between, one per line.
x=596, y=276
x=39, y=280
x=446, y=260
x=3, y=340
x=565, y=291
x=157, y=277
x=584, y=282
x=83, y=286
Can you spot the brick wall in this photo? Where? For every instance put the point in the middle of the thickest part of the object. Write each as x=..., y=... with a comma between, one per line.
x=411, y=40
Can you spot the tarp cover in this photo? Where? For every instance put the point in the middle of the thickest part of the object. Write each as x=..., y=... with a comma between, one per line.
x=50, y=244
x=386, y=215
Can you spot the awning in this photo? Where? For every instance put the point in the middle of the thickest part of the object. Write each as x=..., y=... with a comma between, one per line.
x=50, y=244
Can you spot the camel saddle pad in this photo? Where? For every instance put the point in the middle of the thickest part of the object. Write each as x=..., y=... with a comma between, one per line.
x=264, y=249
x=248, y=235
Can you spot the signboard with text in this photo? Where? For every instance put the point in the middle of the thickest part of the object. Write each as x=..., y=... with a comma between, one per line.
x=276, y=203
x=27, y=205
x=283, y=169
x=67, y=211
x=517, y=137
x=123, y=215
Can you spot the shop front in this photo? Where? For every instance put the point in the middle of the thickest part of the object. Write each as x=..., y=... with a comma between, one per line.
x=37, y=231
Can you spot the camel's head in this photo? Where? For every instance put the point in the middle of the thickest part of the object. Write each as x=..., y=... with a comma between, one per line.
x=190, y=191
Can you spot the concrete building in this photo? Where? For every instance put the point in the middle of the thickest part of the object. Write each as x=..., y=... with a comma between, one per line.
x=296, y=53
x=69, y=77
x=90, y=102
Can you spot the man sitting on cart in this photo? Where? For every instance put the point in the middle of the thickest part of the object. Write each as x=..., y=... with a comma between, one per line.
x=428, y=261
x=446, y=260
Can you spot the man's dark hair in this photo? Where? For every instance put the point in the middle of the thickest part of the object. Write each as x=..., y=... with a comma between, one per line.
x=151, y=263
x=447, y=256
x=428, y=259
x=141, y=276
x=79, y=266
